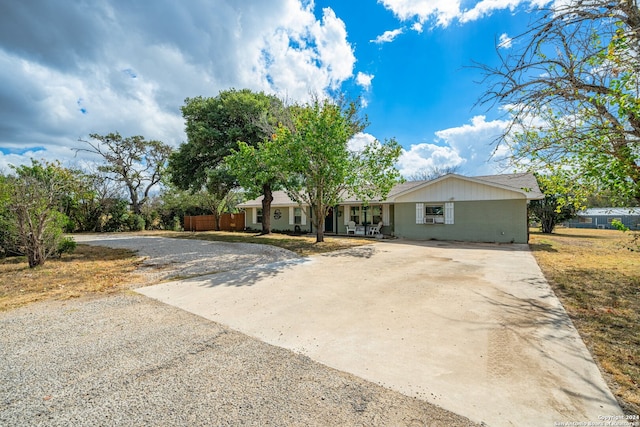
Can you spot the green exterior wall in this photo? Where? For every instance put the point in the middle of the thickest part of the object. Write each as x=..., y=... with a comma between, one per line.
x=499, y=221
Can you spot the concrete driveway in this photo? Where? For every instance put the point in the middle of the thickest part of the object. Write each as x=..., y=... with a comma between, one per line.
x=472, y=328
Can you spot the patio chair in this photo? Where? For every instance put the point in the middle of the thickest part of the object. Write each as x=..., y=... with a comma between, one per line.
x=351, y=227
x=375, y=229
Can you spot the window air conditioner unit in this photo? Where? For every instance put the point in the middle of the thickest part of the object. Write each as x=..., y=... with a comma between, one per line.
x=429, y=220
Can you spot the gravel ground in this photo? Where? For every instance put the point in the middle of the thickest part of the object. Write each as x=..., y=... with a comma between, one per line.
x=129, y=360
x=167, y=258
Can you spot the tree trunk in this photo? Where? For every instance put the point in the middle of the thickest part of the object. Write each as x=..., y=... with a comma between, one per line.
x=216, y=220
x=135, y=205
x=319, y=219
x=35, y=252
x=266, y=208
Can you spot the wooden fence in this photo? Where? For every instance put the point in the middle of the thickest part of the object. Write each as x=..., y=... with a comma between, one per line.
x=228, y=222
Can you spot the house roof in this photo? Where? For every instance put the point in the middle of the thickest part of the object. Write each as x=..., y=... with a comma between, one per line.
x=517, y=181
x=524, y=183
x=610, y=212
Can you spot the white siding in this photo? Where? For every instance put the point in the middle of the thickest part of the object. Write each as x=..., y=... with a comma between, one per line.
x=458, y=190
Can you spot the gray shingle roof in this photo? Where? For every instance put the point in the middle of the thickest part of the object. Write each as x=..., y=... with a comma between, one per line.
x=521, y=182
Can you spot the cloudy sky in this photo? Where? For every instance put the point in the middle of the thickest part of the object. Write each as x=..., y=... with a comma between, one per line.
x=68, y=69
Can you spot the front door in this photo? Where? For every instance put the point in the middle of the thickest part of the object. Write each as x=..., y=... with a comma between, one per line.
x=328, y=222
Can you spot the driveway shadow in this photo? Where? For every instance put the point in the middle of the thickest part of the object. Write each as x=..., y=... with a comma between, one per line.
x=246, y=277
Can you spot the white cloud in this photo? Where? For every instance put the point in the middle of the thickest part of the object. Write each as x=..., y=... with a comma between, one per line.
x=364, y=80
x=487, y=7
x=443, y=12
x=360, y=140
x=94, y=75
x=417, y=27
x=505, y=42
x=426, y=156
x=470, y=146
x=388, y=36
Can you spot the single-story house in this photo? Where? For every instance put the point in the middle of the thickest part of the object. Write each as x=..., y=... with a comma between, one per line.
x=602, y=218
x=453, y=207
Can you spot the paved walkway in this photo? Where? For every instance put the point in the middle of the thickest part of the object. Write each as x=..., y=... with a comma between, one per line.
x=472, y=328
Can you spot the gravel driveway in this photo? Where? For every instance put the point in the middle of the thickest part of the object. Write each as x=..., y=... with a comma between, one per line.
x=129, y=360
x=167, y=258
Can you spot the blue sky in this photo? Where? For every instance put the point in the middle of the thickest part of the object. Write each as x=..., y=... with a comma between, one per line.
x=115, y=65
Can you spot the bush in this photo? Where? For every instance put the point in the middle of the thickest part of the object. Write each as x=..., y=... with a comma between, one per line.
x=66, y=246
x=136, y=222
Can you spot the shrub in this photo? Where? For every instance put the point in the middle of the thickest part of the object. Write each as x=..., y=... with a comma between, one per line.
x=66, y=246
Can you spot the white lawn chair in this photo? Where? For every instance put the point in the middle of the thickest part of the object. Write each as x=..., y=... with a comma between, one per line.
x=375, y=229
x=351, y=227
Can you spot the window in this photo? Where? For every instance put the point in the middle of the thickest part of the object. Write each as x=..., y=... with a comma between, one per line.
x=434, y=214
x=376, y=214
x=297, y=216
x=354, y=214
x=259, y=216
x=610, y=220
x=585, y=220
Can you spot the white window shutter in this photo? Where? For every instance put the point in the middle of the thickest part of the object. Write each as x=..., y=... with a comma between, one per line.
x=419, y=213
x=347, y=212
x=303, y=220
x=448, y=213
x=255, y=215
x=386, y=217
x=291, y=215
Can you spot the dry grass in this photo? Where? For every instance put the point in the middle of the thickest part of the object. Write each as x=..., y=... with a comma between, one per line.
x=302, y=245
x=89, y=270
x=598, y=281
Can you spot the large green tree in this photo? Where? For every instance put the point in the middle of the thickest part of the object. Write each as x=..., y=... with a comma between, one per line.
x=572, y=91
x=214, y=126
x=317, y=166
x=132, y=161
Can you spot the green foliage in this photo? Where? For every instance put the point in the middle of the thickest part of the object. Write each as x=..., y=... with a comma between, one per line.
x=66, y=246
x=215, y=127
x=32, y=200
x=618, y=225
x=317, y=166
x=572, y=93
x=120, y=218
x=564, y=197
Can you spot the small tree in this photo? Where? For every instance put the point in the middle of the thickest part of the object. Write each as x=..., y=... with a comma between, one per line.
x=563, y=199
x=258, y=171
x=34, y=197
x=315, y=162
x=134, y=162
